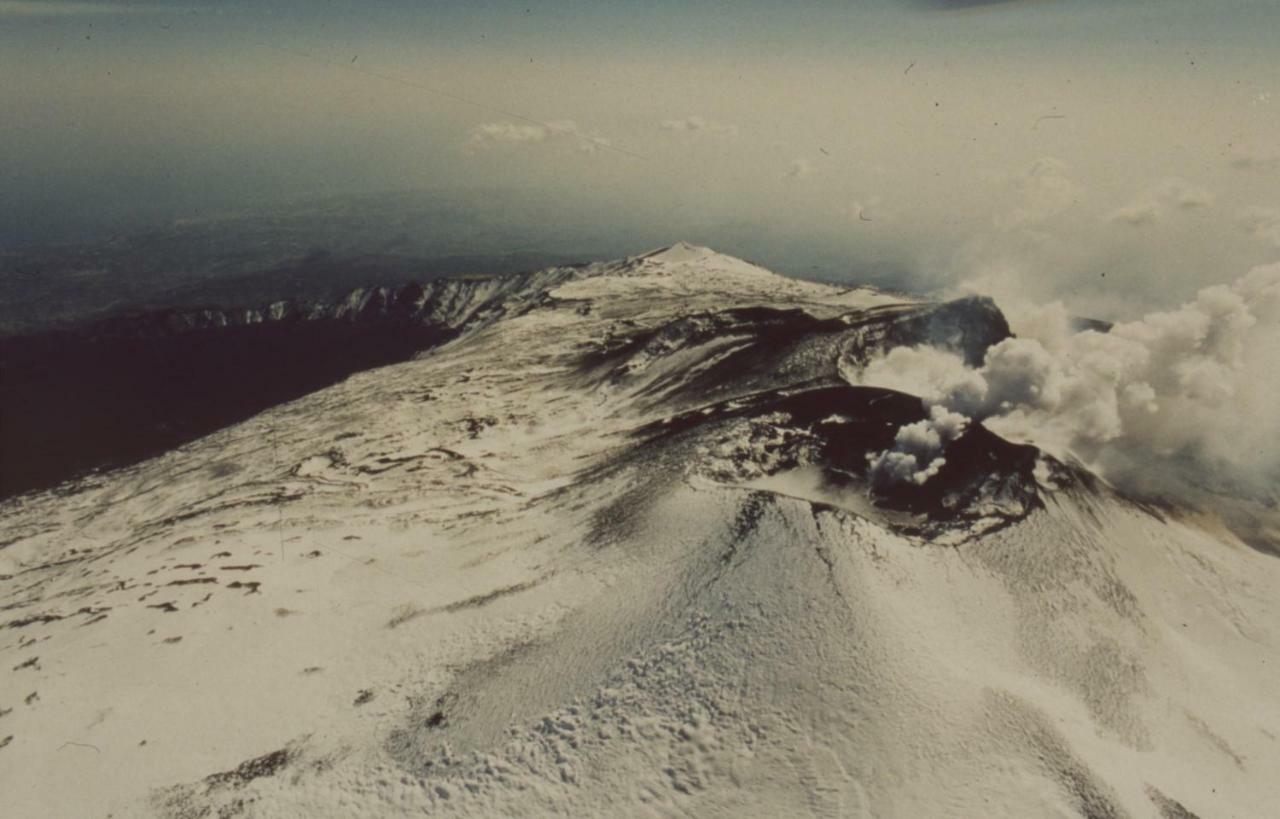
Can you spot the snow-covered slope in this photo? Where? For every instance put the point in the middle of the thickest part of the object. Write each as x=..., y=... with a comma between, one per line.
x=621, y=552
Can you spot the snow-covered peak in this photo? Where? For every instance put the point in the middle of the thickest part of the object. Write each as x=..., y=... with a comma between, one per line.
x=683, y=258
x=698, y=276
x=689, y=271
x=678, y=253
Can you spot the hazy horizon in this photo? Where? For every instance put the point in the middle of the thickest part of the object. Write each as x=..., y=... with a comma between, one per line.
x=1027, y=145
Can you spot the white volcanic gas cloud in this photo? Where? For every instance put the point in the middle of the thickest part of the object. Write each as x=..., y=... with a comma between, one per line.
x=916, y=455
x=1185, y=396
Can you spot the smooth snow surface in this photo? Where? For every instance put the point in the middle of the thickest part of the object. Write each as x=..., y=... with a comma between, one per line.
x=610, y=555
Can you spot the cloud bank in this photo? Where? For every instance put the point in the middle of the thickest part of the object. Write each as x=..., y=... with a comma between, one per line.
x=565, y=131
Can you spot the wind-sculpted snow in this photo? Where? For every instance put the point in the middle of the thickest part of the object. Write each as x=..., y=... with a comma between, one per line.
x=622, y=548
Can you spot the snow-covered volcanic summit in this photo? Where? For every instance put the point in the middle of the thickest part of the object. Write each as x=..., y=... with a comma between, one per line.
x=632, y=543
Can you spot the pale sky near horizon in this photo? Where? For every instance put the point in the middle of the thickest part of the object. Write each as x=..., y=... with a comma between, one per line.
x=1042, y=143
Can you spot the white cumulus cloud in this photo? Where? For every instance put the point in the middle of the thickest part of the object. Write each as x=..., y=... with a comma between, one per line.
x=799, y=168
x=516, y=132
x=1045, y=190
x=562, y=132
x=1262, y=223
x=1167, y=197
x=696, y=125
x=1259, y=161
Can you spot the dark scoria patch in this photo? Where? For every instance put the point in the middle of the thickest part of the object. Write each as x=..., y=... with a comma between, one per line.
x=847, y=424
x=1169, y=808
x=189, y=801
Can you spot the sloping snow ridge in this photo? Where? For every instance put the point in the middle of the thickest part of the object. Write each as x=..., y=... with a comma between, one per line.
x=618, y=552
